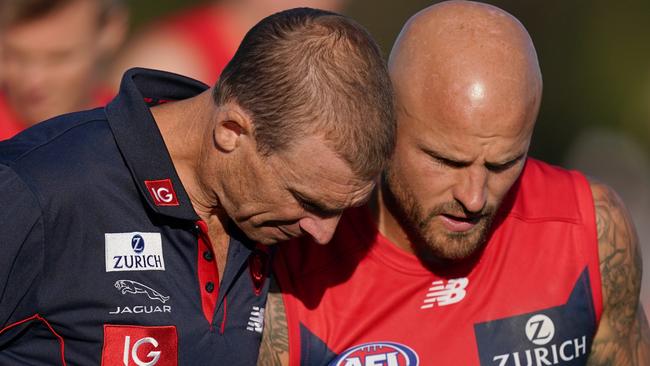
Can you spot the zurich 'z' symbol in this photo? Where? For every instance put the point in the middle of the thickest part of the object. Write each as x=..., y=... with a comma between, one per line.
x=137, y=243
x=540, y=329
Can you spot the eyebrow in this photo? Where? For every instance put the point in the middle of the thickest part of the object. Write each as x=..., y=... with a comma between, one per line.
x=465, y=163
x=446, y=159
x=315, y=205
x=506, y=164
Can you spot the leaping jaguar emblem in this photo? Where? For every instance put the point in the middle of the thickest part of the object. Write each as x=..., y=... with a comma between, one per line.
x=132, y=287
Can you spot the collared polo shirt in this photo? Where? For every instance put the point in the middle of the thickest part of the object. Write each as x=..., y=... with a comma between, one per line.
x=103, y=258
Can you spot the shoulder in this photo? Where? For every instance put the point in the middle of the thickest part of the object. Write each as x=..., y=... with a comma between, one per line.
x=44, y=142
x=623, y=336
x=617, y=239
x=56, y=158
x=620, y=259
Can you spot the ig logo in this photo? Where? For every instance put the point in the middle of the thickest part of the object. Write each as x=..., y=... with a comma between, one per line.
x=132, y=353
x=540, y=329
x=137, y=243
x=162, y=192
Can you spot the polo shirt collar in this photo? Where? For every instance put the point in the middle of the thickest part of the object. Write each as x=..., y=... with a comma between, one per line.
x=140, y=142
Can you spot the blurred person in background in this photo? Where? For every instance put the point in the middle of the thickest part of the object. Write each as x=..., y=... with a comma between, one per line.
x=54, y=54
x=199, y=41
x=1, y=59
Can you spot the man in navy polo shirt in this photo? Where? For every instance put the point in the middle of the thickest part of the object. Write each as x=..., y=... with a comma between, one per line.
x=136, y=234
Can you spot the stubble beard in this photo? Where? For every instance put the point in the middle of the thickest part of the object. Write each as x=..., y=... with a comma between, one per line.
x=430, y=242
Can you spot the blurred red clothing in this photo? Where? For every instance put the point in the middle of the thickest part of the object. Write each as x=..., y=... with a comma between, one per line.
x=9, y=122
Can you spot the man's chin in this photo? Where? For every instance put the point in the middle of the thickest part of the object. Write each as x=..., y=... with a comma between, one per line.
x=269, y=238
x=262, y=239
x=450, y=247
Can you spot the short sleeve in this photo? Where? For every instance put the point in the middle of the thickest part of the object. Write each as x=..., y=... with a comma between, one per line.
x=21, y=242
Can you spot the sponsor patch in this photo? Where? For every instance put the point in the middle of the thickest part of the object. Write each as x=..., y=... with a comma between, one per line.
x=162, y=192
x=131, y=345
x=560, y=335
x=129, y=288
x=134, y=252
x=377, y=354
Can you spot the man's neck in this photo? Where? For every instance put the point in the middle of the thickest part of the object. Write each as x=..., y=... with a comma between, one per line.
x=184, y=126
x=386, y=222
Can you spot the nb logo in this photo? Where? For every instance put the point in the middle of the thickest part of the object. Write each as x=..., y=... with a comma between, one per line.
x=137, y=243
x=443, y=294
x=131, y=353
x=540, y=329
x=256, y=320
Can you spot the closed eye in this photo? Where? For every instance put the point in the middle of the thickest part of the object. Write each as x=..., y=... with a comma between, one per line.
x=317, y=208
x=498, y=168
x=451, y=163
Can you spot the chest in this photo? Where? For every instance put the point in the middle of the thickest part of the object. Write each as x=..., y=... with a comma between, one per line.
x=130, y=290
x=530, y=302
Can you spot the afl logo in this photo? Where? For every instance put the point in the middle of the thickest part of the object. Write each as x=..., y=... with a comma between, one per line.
x=377, y=354
x=137, y=243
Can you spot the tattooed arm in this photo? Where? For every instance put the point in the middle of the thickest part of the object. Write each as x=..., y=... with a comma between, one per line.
x=274, y=350
x=623, y=336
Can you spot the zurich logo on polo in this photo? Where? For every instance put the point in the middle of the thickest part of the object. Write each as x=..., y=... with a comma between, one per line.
x=137, y=251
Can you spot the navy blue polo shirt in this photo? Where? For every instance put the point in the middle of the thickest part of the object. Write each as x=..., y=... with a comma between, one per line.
x=103, y=259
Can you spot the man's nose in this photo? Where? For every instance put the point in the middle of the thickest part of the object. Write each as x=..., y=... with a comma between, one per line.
x=471, y=190
x=321, y=229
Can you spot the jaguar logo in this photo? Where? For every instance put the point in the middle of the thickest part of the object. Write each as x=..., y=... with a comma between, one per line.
x=132, y=287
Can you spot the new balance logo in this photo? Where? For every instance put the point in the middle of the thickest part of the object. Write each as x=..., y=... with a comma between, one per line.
x=256, y=320
x=443, y=294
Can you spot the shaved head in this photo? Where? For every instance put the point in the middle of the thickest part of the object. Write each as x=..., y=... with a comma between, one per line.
x=468, y=89
x=462, y=56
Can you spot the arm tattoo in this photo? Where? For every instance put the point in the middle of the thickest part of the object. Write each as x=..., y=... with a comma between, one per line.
x=274, y=349
x=623, y=335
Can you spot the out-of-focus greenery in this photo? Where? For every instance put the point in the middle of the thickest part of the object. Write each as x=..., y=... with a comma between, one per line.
x=594, y=55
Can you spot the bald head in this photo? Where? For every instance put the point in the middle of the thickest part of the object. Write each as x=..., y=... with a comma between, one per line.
x=467, y=62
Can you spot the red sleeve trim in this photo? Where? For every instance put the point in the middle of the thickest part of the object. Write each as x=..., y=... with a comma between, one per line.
x=48, y=325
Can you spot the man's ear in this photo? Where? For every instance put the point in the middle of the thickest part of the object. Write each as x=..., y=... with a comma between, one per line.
x=232, y=126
